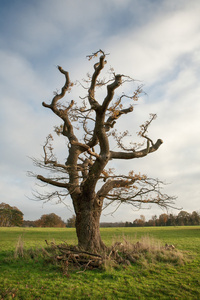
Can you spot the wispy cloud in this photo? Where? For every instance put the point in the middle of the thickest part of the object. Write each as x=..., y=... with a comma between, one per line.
x=156, y=42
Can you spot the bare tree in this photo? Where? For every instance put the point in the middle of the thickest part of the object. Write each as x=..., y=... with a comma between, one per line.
x=83, y=175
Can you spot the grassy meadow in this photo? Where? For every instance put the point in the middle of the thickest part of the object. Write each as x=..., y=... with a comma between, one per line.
x=31, y=277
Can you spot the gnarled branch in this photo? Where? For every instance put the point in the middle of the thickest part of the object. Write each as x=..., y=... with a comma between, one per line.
x=53, y=182
x=136, y=154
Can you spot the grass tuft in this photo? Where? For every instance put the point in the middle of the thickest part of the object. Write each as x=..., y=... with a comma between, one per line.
x=19, y=249
x=144, y=252
x=147, y=251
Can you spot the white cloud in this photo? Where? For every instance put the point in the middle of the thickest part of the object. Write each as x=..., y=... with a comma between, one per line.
x=158, y=44
x=155, y=49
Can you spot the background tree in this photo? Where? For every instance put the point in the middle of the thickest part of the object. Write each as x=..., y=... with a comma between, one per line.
x=171, y=221
x=50, y=220
x=195, y=218
x=139, y=222
x=71, y=222
x=183, y=218
x=10, y=216
x=162, y=220
x=85, y=175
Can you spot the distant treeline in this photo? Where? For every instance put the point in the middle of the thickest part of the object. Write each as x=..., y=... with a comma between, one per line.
x=12, y=216
x=182, y=219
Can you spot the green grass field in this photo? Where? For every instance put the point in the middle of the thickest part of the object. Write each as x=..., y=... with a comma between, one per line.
x=26, y=278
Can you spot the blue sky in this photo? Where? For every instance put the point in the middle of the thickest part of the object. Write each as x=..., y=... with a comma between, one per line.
x=157, y=42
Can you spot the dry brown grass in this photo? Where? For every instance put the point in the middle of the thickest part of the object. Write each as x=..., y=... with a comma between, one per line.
x=146, y=251
x=19, y=249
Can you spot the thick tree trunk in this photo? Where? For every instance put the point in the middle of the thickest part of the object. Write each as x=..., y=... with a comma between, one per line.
x=88, y=229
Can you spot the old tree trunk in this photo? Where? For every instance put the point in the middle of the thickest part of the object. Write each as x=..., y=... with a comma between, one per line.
x=87, y=227
x=83, y=176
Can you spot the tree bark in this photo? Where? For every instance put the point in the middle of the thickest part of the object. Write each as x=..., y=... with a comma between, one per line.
x=88, y=225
